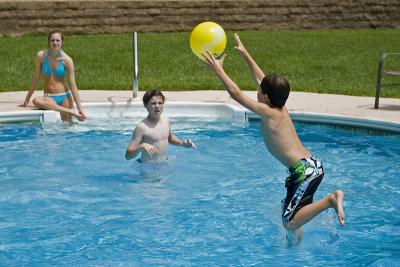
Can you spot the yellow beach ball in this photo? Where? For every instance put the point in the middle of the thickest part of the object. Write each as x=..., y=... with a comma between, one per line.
x=208, y=36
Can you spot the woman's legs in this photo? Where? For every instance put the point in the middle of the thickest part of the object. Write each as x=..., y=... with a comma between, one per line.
x=68, y=104
x=48, y=103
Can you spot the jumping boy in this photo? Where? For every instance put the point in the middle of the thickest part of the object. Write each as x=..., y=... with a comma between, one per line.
x=152, y=135
x=281, y=140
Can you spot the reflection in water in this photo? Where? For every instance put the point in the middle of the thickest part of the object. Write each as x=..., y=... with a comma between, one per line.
x=152, y=172
x=149, y=179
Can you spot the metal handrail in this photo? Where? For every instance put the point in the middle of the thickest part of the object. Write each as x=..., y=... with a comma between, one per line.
x=135, y=67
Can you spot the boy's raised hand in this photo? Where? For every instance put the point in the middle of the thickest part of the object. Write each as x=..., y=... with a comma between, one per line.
x=239, y=45
x=213, y=63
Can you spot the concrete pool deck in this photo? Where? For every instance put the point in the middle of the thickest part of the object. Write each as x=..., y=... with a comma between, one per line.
x=361, y=107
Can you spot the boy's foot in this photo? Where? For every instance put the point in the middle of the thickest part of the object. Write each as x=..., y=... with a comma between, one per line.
x=294, y=237
x=337, y=203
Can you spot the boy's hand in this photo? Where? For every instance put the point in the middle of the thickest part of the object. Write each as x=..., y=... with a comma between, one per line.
x=214, y=64
x=239, y=46
x=188, y=144
x=152, y=150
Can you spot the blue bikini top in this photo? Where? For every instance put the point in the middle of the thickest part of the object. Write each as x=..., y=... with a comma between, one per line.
x=48, y=71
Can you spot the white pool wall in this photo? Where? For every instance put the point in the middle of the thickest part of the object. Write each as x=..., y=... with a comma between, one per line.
x=173, y=109
x=217, y=110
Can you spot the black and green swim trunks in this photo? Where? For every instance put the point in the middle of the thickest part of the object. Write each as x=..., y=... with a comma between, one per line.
x=305, y=177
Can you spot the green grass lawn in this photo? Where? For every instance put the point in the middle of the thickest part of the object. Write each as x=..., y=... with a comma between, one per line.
x=323, y=61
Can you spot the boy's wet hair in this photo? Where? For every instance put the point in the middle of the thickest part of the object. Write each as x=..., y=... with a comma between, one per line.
x=150, y=93
x=276, y=88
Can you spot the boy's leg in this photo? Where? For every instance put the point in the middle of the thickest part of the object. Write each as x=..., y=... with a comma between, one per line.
x=305, y=214
x=294, y=236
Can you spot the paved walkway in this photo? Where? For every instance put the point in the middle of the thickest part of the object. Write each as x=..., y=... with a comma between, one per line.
x=362, y=107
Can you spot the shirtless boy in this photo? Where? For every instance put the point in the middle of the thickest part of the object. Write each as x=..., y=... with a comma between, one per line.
x=281, y=140
x=152, y=135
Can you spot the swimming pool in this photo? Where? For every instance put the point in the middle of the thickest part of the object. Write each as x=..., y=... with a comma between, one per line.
x=68, y=197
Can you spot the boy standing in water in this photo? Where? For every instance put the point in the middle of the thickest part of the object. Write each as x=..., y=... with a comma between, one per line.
x=152, y=135
x=281, y=140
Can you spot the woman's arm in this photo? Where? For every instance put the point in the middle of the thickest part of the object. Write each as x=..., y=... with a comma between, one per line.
x=74, y=89
x=36, y=78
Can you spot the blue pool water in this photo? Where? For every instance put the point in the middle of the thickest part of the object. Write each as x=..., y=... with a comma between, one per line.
x=68, y=197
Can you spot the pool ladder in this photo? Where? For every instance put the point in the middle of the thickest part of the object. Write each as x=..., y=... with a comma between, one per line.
x=135, y=67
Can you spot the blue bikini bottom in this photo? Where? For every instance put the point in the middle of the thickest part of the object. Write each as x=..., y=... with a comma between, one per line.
x=59, y=98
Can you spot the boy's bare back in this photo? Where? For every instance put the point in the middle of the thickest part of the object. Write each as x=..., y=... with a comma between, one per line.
x=280, y=137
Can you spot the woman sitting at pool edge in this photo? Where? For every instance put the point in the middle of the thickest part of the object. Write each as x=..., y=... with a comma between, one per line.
x=53, y=65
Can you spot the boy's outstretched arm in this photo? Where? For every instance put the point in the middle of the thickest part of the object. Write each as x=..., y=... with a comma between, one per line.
x=172, y=139
x=234, y=91
x=35, y=80
x=256, y=71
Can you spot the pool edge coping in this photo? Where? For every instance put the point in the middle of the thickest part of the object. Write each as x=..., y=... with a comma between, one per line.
x=239, y=113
